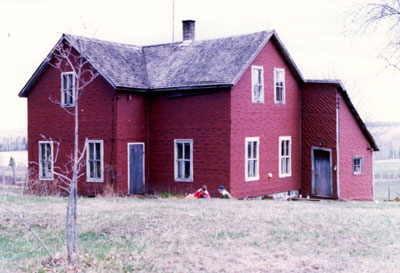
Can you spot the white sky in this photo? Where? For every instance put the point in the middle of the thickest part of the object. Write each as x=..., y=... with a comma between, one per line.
x=312, y=31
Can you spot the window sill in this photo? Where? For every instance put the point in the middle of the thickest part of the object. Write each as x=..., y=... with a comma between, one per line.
x=279, y=103
x=284, y=175
x=357, y=173
x=258, y=102
x=251, y=179
x=46, y=178
x=183, y=180
x=94, y=180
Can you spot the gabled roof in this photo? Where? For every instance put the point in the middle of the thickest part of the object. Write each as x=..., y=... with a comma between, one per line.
x=175, y=66
x=353, y=110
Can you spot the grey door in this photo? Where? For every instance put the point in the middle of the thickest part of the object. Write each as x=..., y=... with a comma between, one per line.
x=136, y=168
x=322, y=176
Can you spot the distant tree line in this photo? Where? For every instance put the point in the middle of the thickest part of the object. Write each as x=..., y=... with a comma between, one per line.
x=387, y=150
x=17, y=143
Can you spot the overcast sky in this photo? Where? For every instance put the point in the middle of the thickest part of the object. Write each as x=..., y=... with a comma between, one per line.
x=313, y=31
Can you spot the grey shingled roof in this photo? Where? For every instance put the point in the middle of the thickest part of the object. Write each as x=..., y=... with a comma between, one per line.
x=166, y=66
x=122, y=64
x=210, y=62
x=198, y=64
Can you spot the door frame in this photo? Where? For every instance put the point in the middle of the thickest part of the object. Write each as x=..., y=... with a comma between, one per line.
x=313, y=148
x=129, y=173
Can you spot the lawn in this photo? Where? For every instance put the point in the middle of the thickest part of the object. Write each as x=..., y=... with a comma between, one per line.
x=164, y=235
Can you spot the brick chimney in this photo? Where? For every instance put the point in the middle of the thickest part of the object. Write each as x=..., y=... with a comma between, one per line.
x=188, y=30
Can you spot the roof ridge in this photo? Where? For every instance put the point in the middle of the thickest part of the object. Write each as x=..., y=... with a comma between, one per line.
x=207, y=40
x=102, y=41
x=163, y=44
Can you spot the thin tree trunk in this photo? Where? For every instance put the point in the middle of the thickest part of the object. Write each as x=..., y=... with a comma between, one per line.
x=75, y=174
x=68, y=232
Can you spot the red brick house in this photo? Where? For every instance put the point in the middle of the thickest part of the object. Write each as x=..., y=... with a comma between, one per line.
x=233, y=111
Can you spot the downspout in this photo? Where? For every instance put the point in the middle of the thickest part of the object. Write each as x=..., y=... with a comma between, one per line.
x=113, y=141
x=148, y=140
x=337, y=145
x=300, y=144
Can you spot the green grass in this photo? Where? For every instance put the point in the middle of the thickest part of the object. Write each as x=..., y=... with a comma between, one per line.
x=162, y=235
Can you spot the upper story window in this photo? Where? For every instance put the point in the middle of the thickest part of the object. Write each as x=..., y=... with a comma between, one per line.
x=357, y=164
x=252, y=158
x=46, y=160
x=279, y=86
x=94, y=161
x=285, y=165
x=68, y=89
x=183, y=160
x=257, y=78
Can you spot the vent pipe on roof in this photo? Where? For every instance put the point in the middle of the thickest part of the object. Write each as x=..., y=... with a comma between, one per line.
x=188, y=30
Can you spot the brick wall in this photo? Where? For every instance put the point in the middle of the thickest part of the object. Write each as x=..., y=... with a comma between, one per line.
x=318, y=124
x=48, y=119
x=131, y=126
x=353, y=142
x=268, y=121
x=203, y=118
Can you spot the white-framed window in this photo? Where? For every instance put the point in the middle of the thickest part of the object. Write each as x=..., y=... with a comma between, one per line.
x=183, y=158
x=45, y=160
x=279, y=86
x=68, y=89
x=357, y=164
x=94, y=161
x=285, y=153
x=252, y=158
x=257, y=79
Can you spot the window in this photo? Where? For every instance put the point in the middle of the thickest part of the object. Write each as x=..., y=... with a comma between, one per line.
x=68, y=89
x=183, y=160
x=279, y=83
x=285, y=168
x=257, y=76
x=357, y=164
x=94, y=161
x=252, y=161
x=46, y=160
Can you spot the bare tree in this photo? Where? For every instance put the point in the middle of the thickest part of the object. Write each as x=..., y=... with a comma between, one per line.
x=380, y=16
x=72, y=58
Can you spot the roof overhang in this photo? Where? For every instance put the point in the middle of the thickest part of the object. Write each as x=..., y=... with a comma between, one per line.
x=45, y=63
x=353, y=110
x=292, y=65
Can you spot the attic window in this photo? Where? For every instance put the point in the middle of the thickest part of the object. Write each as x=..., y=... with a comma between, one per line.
x=279, y=83
x=257, y=92
x=68, y=89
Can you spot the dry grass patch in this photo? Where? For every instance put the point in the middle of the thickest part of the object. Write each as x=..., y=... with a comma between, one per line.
x=135, y=235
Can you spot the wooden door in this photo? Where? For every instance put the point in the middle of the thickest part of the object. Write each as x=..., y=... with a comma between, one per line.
x=321, y=174
x=136, y=168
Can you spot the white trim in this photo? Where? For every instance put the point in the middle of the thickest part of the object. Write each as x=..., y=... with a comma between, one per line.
x=178, y=179
x=129, y=173
x=361, y=164
x=338, y=146
x=100, y=179
x=73, y=89
x=284, y=86
x=254, y=82
x=246, y=174
x=52, y=160
x=283, y=138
